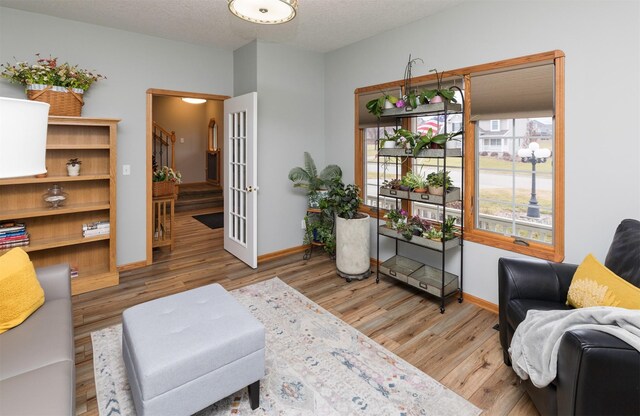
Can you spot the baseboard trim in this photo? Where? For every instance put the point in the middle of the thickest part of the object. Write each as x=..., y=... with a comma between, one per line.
x=491, y=307
x=132, y=266
x=281, y=253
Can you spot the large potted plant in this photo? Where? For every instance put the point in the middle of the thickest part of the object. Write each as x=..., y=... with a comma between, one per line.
x=315, y=183
x=352, y=231
x=60, y=85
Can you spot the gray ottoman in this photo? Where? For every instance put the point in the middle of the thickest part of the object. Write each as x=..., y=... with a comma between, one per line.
x=187, y=351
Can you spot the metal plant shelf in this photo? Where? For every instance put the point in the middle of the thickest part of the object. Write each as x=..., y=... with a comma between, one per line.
x=420, y=241
x=451, y=196
x=437, y=108
x=423, y=153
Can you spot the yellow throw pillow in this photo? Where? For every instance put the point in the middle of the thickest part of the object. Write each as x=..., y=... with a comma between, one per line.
x=595, y=285
x=20, y=292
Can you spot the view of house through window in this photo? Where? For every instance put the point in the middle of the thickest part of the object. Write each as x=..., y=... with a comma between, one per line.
x=514, y=178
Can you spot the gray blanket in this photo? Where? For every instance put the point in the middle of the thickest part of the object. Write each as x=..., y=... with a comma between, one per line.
x=535, y=344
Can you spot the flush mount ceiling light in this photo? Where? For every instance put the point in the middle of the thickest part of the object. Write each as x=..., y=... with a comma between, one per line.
x=194, y=100
x=265, y=12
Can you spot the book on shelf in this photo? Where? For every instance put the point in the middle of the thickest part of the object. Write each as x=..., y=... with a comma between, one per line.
x=96, y=225
x=14, y=238
x=96, y=232
x=4, y=246
x=7, y=227
x=74, y=272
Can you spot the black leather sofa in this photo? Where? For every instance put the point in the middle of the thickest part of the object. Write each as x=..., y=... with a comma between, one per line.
x=598, y=374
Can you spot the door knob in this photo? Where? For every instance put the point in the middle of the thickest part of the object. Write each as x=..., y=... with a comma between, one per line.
x=251, y=188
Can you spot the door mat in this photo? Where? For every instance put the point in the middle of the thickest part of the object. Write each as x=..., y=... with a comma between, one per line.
x=212, y=221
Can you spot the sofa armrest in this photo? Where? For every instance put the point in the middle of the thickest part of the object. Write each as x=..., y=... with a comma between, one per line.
x=55, y=281
x=598, y=374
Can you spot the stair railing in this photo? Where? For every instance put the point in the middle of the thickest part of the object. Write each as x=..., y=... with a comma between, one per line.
x=163, y=147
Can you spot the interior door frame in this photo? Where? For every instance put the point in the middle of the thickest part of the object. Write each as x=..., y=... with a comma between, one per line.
x=151, y=92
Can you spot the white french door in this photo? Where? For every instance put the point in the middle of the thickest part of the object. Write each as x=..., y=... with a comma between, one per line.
x=240, y=178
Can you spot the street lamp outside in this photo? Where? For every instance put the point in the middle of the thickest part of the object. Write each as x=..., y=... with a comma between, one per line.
x=534, y=155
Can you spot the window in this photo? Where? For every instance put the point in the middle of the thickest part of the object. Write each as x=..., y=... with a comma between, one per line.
x=513, y=147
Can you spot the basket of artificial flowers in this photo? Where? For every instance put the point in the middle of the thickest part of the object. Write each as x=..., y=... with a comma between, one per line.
x=62, y=86
x=166, y=181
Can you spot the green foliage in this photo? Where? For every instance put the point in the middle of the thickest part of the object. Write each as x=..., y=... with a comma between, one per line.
x=74, y=161
x=438, y=179
x=376, y=106
x=439, y=139
x=401, y=137
x=320, y=228
x=46, y=71
x=308, y=177
x=414, y=180
x=342, y=200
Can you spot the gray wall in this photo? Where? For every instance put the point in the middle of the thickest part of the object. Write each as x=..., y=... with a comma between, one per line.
x=132, y=63
x=290, y=121
x=245, y=69
x=601, y=41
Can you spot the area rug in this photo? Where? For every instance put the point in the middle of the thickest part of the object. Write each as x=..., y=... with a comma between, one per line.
x=212, y=221
x=316, y=364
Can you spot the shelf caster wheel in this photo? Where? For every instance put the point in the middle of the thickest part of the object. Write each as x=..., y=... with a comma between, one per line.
x=441, y=309
x=348, y=280
x=307, y=255
x=459, y=300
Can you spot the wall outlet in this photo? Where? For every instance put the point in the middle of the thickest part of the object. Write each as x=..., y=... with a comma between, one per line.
x=126, y=170
x=181, y=139
x=303, y=225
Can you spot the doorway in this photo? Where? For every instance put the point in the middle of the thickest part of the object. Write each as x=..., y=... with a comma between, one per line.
x=180, y=135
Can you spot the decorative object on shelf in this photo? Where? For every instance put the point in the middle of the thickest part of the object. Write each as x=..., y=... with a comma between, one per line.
x=416, y=182
x=401, y=138
x=309, y=179
x=265, y=12
x=73, y=166
x=55, y=196
x=429, y=140
x=352, y=231
x=13, y=234
x=534, y=155
x=23, y=137
x=439, y=182
x=165, y=181
x=62, y=86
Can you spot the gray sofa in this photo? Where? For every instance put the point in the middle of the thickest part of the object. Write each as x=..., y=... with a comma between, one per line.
x=37, y=369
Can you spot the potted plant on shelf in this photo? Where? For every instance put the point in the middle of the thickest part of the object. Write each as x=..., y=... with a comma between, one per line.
x=445, y=233
x=393, y=216
x=430, y=140
x=439, y=182
x=378, y=105
x=352, y=230
x=439, y=94
x=166, y=181
x=402, y=138
x=309, y=179
x=321, y=229
x=73, y=166
x=60, y=85
x=416, y=182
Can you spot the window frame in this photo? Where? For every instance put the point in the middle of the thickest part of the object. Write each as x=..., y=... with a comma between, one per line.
x=554, y=252
x=491, y=125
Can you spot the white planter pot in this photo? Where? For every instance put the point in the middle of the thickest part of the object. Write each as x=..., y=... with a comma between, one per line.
x=352, y=248
x=389, y=145
x=388, y=105
x=73, y=170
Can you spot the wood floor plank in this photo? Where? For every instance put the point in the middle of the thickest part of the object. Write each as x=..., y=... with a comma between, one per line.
x=459, y=348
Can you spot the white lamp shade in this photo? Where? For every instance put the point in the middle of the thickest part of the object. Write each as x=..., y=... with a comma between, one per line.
x=23, y=137
x=265, y=12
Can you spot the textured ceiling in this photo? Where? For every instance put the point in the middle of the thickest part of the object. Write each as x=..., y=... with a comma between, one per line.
x=321, y=25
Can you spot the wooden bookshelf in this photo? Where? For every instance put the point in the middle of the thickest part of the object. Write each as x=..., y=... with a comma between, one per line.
x=56, y=233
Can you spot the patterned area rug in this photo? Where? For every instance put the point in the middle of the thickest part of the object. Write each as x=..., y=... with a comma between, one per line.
x=316, y=364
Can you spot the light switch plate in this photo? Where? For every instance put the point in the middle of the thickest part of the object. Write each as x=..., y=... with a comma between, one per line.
x=126, y=170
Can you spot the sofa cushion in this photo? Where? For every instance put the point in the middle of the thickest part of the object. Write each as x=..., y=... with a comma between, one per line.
x=623, y=257
x=20, y=291
x=47, y=391
x=45, y=338
x=595, y=285
x=517, y=309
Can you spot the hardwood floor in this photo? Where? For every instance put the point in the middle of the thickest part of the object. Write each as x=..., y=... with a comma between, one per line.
x=460, y=349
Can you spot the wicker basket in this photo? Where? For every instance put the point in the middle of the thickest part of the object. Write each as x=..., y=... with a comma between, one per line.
x=63, y=101
x=165, y=188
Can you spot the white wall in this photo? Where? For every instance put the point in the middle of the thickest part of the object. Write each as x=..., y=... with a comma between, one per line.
x=290, y=121
x=601, y=41
x=132, y=63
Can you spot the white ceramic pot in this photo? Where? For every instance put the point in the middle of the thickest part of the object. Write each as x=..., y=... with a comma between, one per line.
x=389, y=144
x=352, y=247
x=73, y=170
x=388, y=105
